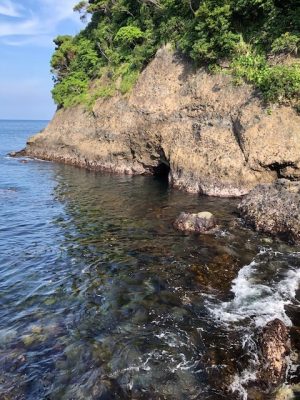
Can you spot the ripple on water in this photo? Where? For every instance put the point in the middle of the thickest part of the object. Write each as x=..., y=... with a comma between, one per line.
x=101, y=298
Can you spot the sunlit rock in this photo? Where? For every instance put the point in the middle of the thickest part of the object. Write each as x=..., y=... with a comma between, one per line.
x=202, y=222
x=274, y=209
x=275, y=346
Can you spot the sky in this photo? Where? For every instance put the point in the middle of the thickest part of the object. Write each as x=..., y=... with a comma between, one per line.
x=27, y=30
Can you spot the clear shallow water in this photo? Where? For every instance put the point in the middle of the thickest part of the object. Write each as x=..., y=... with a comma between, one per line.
x=100, y=298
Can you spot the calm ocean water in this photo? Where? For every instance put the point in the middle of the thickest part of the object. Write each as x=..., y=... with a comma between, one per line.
x=101, y=298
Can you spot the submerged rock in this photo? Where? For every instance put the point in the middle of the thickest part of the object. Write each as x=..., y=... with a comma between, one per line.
x=274, y=209
x=219, y=273
x=274, y=346
x=202, y=222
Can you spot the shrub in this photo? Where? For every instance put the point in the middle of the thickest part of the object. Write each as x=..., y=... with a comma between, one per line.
x=128, y=81
x=129, y=35
x=281, y=82
x=277, y=83
x=287, y=44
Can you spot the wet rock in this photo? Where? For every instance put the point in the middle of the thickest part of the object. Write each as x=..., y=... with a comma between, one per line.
x=219, y=273
x=203, y=222
x=274, y=209
x=107, y=389
x=285, y=393
x=33, y=339
x=294, y=373
x=293, y=312
x=20, y=153
x=28, y=340
x=274, y=346
x=169, y=298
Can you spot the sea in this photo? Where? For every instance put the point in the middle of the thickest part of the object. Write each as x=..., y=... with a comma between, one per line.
x=100, y=298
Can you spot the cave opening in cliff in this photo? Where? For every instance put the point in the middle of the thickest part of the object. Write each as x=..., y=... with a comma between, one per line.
x=161, y=171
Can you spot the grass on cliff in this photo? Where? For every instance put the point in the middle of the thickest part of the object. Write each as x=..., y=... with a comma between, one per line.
x=123, y=36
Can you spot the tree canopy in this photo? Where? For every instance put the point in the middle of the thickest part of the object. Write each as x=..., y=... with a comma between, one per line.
x=122, y=36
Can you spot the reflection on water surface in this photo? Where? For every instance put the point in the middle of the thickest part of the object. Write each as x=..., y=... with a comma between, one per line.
x=102, y=299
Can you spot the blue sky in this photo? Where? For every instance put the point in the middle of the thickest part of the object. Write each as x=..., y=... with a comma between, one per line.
x=27, y=29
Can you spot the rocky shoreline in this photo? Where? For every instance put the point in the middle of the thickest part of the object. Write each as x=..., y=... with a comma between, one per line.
x=207, y=136
x=203, y=132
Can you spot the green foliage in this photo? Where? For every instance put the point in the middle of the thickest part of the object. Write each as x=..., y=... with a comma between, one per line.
x=71, y=89
x=276, y=83
x=65, y=53
x=80, y=7
x=129, y=35
x=128, y=81
x=105, y=92
x=280, y=83
x=287, y=44
x=214, y=38
x=123, y=36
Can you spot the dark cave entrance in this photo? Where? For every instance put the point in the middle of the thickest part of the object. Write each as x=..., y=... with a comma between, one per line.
x=162, y=171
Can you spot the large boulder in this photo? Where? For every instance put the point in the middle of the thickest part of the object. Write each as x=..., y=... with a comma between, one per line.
x=202, y=222
x=274, y=209
x=274, y=345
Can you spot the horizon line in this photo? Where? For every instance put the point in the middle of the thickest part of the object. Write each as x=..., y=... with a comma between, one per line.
x=22, y=119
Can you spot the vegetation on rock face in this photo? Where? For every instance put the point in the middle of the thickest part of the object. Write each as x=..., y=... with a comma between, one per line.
x=123, y=35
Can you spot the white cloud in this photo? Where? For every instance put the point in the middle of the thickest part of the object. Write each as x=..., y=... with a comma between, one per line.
x=40, y=40
x=35, y=24
x=9, y=9
x=30, y=26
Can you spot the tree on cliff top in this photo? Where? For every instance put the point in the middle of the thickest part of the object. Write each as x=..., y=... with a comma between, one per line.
x=123, y=35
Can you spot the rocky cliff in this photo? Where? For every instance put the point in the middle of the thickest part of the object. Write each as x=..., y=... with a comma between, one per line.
x=210, y=136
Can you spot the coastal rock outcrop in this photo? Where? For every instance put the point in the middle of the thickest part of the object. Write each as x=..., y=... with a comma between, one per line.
x=210, y=136
x=274, y=209
x=275, y=346
x=202, y=222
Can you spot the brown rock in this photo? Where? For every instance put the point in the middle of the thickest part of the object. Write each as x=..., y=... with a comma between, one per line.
x=274, y=209
x=275, y=346
x=202, y=222
x=219, y=273
x=216, y=138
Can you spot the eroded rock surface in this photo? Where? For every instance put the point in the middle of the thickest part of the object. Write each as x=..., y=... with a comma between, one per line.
x=202, y=222
x=216, y=138
x=274, y=209
x=275, y=346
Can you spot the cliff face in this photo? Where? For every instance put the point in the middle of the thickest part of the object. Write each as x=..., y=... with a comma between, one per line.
x=215, y=138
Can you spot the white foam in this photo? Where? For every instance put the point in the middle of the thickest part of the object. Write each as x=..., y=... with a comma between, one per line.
x=249, y=374
x=256, y=302
x=240, y=382
x=260, y=302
